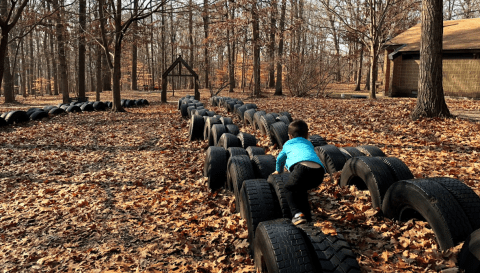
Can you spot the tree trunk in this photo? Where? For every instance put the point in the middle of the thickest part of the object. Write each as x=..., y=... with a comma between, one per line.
x=373, y=74
x=271, y=45
x=367, y=82
x=360, y=66
x=47, y=58
x=164, y=59
x=431, y=99
x=8, y=78
x=279, y=83
x=60, y=28
x=117, y=72
x=98, y=68
x=54, y=60
x=205, y=29
x=256, y=49
x=190, y=40
x=134, y=48
x=82, y=4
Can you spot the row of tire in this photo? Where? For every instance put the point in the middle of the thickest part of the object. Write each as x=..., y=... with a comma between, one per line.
x=245, y=170
x=18, y=116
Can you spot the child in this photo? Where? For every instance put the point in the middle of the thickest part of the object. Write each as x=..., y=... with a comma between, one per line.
x=306, y=169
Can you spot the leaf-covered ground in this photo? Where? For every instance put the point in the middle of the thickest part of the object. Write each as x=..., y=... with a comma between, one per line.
x=124, y=191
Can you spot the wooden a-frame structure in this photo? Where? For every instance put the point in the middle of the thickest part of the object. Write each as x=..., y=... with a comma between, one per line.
x=179, y=61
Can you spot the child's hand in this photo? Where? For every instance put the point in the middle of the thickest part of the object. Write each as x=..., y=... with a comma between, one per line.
x=275, y=172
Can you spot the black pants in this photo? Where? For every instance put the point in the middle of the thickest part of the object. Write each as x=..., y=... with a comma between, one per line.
x=302, y=179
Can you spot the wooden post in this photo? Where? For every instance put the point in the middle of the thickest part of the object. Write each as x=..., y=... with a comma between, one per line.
x=164, y=88
x=197, y=94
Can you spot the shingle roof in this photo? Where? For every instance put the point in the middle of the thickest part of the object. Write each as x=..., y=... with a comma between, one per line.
x=457, y=35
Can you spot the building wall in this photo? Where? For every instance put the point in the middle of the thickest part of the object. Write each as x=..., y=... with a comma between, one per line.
x=460, y=77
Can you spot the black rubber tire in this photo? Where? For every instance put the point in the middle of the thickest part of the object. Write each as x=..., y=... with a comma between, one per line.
x=232, y=129
x=278, y=182
x=207, y=130
x=317, y=140
x=230, y=106
x=210, y=113
x=399, y=169
x=253, y=150
x=87, y=107
x=287, y=114
x=229, y=183
x=38, y=115
x=275, y=115
x=217, y=131
x=434, y=203
x=48, y=108
x=465, y=196
x=263, y=165
x=109, y=104
x=265, y=122
x=128, y=103
x=100, y=106
x=202, y=112
x=331, y=157
x=226, y=120
x=190, y=110
x=279, y=246
x=183, y=111
x=234, y=151
x=469, y=256
x=228, y=140
x=197, y=124
x=370, y=173
x=33, y=110
x=256, y=119
x=139, y=102
x=73, y=109
x=56, y=111
x=248, y=116
x=251, y=106
x=331, y=253
x=370, y=150
x=247, y=140
x=283, y=119
x=279, y=132
x=3, y=122
x=64, y=107
x=60, y=105
x=241, y=112
x=17, y=117
x=145, y=102
x=259, y=204
x=215, y=167
x=240, y=169
x=350, y=152
x=4, y=115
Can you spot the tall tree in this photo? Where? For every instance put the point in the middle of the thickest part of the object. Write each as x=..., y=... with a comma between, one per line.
x=256, y=49
x=431, y=99
x=206, y=22
x=279, y=82
x=134, y=48
x=61, y=45
x=271, y=44
x=82, y=4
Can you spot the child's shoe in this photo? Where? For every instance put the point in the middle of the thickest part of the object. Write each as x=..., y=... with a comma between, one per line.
x=298, y=219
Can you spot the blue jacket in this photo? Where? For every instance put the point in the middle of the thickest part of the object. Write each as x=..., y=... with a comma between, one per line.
x=296, y=150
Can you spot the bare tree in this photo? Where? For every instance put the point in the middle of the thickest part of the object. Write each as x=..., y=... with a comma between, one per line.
x=279, y=82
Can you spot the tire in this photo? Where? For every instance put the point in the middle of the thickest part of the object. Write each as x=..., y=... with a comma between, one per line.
x=234, y=151
x=139, y=102
x=210, y=113
x=128, y=103
x=232, y=129
x=279, y=246
x=64, y=107
x=38, y=115
x=256, y=119
x=215, y=167
x=368, y=173
x=265, y=122
x=283, y=119
x=202, y=112
x=16, y=117
x=279, y=131
x=217, y=131
x=207, y=129
x=399, y=169
x=190, y=109
x=87, y=108
x=100, y=106
x=469, y=256
x=350, y=152
x=73, y=109
x=241, y=112
x=56, y=111
x=230, y=106
x=317, y=140
x=253, y=151
x=465, y=196
x=240, y=169
x=48, y=108
x=229, y=183
x=434, y=203
x=247, y=140
x=370, y=150
x=278, y=182
x=331, y=253
x=4, y=115
x=287, y=114
x=225, y=121
x=145, y=102
x=263, y=165
x=248, y=116
x=259, y=204
x=251, y=106
x=228, y=140
x=33, y=110
x=60, y=105
x=122, y=102
x=197, y=124
x=331, y=157
x=183, y=111
x=110, y=104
